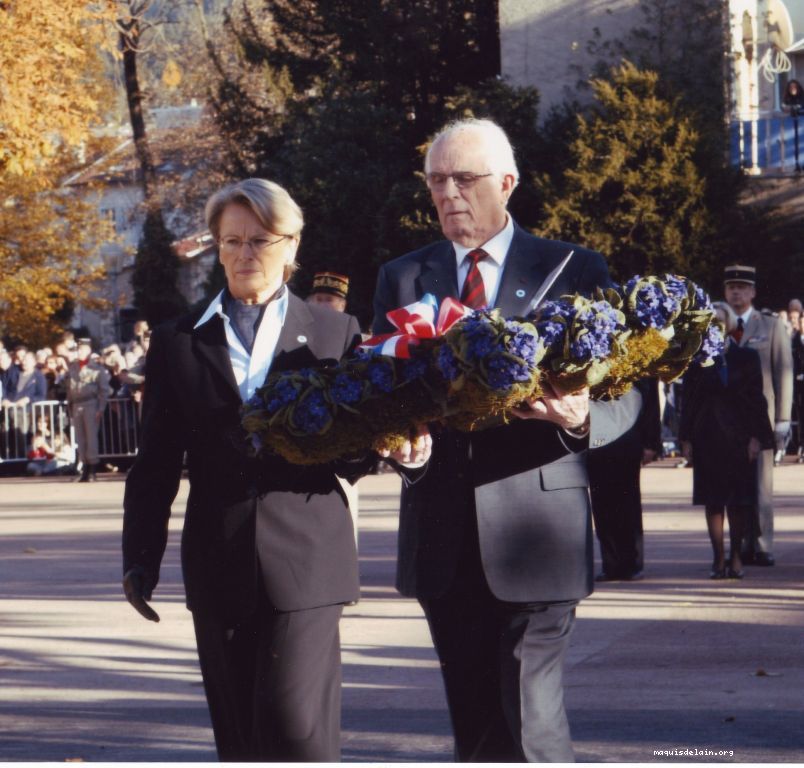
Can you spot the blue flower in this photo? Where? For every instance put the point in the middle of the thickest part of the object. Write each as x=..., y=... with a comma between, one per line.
x=446, y=363
x=551, y=329
x=414, y=369
x=523, y=344
x=503, y=372
x=599, y=323
x=381, y=376
x=557, y=308
x=346, y=389
x=712, y=344
x=676, y=286
x=552, y=334
x=311, y=413
x=363, y=355
x=653, y=307
x=479, y=338
x=702, y=300
x=282, y=393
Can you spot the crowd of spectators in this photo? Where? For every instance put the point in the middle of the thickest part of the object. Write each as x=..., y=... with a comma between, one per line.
x=28, y=377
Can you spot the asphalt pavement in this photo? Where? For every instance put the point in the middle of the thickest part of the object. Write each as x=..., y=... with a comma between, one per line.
x=672, y=663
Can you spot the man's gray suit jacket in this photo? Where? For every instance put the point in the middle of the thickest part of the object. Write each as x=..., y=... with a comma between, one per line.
x=526, y=481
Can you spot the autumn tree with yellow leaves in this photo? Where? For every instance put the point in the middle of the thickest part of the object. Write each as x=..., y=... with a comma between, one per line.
x=51, y=92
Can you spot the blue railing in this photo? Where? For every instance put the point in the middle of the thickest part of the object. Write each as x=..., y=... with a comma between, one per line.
x=766, y=145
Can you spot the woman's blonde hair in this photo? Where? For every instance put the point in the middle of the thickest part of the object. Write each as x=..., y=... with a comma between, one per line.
x=273, y=206
x=731, y=318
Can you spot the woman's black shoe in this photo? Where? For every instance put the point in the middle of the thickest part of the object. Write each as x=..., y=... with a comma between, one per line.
x=717, y=573
x=736, y=574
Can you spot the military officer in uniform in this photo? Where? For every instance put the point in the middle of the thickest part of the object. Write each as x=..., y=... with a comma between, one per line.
x=768, y=336
x=87, y=391
x=331, y=289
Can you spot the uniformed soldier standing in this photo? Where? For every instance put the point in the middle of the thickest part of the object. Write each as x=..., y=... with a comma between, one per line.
x=87, y=391
x=769, y=337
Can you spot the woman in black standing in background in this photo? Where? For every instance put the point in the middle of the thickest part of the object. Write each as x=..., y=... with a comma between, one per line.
x=724, y=425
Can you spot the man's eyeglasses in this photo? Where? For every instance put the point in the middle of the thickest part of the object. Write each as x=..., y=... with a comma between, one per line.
x=257, y=244
x=462, y=179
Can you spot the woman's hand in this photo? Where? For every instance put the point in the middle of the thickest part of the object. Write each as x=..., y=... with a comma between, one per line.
x=753, y=449
x=414, y=452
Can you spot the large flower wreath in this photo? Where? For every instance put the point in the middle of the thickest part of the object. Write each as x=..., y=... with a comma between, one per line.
x=470, y=368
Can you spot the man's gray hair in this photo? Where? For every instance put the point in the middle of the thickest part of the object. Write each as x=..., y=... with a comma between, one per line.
x=499, y=154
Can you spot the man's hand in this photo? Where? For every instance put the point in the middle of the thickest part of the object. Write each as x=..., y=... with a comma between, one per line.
x=414, y=452
x=137, y=593
x=568, y=411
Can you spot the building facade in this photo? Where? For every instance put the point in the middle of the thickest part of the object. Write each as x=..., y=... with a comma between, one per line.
x=550, y=44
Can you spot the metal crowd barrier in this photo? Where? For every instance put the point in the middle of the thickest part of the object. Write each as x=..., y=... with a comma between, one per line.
x=118, y=433
x=19, y=423
x=119, y=430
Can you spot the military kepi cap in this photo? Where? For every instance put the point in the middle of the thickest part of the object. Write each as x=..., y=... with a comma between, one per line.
x=85, y=340
x=739, y=273
x=331, y=282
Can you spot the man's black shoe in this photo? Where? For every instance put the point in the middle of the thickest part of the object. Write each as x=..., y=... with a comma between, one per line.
x=636, y=576
x=764, y=558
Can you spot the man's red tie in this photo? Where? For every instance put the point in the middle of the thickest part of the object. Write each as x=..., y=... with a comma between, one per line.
x=737, y=333
x=474, y=292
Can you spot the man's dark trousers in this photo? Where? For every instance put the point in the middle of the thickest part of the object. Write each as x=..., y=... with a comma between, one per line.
x=489, y=727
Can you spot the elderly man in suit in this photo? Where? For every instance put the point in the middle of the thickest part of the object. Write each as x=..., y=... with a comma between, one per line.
x=268, y=551
x=768, y=336
x=495, y=536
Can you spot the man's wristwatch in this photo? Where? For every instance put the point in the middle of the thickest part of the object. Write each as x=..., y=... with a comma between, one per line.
x=580, y=431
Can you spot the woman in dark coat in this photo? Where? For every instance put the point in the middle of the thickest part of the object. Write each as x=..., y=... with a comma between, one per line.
x=724, y=425
x=268, y=549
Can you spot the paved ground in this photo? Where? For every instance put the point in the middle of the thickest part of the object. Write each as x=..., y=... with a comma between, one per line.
x=672, y=662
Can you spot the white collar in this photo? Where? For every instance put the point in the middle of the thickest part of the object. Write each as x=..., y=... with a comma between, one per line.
x=496, y=247
x=215, y=308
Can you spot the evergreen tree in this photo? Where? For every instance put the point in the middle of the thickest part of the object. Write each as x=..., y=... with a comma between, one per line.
x=337, y=99
x=155, y=272
x=632, y=189
x=686, y=42
x=155, y=266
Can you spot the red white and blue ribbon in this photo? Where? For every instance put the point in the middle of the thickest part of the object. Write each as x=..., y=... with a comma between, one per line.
x=423, y=319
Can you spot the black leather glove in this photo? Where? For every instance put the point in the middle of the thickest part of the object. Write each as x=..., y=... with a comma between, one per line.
x=138, y=589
